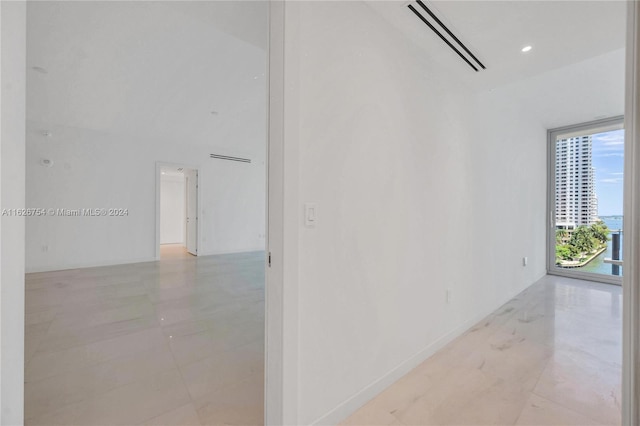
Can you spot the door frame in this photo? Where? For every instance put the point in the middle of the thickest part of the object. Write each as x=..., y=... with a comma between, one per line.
x=597, y=126
x=281, y=292
x=631, y=244
x=187, y=201
x=159, y=166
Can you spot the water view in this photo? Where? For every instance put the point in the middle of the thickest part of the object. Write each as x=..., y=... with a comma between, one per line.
x=597, y=265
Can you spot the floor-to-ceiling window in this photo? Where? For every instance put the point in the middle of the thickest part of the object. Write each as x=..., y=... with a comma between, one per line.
x=585, y=200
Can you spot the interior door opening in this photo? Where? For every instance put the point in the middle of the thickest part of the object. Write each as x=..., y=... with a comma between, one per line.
x=177, y=211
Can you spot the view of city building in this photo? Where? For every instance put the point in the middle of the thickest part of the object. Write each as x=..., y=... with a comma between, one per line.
x=576, y=199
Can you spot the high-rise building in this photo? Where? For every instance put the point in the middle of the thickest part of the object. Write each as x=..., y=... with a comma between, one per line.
x=576, y=199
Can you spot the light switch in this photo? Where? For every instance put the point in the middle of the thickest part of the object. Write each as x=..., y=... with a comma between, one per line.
x=310, y=215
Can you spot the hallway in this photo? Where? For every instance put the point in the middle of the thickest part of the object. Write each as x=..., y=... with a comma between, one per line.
x=550, y=356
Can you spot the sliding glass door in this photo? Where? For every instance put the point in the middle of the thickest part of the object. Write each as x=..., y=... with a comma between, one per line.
x=585, y=201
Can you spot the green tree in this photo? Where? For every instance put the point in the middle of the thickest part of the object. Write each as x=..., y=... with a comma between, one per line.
x=582, y=239
x=564, y=252
x=561, y=236
x=600, y=231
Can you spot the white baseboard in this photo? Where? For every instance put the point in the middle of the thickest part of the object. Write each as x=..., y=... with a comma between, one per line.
x=351, y=405
x=64, y=267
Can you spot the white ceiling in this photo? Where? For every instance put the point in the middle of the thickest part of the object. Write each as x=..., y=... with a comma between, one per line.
x=561, y=72
x=194, y=70
x=178, y=70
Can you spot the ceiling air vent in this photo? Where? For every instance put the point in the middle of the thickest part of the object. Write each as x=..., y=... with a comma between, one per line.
x=432, y=22
x=226, y=157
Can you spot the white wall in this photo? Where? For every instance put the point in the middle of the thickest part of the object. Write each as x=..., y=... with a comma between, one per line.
x=172, y=209
x=12, y=152
x=232, y=198
x=422, y=185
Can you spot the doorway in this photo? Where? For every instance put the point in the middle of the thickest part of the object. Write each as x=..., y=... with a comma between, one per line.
x=176, y=211
x=586, y=173
x=167, y=95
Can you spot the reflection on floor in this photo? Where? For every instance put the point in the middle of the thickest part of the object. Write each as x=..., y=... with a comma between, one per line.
x=177, y=342
x=550, y=356
x=174, y=251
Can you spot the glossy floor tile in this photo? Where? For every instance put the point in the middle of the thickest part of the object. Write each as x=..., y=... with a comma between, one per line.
x=550, y=356
x=175, y=342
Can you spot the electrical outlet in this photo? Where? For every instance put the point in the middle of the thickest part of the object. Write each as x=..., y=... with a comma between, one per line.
x=448, y=295
x=45, y=248
x=525, y=261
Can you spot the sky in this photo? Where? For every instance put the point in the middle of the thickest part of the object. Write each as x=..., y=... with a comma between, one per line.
x=608, y=160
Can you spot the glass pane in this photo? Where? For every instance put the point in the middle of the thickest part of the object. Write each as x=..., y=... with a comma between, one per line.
x=588, y=198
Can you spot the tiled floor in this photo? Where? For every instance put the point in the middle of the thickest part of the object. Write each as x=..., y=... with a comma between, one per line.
x=176, y=342
x=551, y=356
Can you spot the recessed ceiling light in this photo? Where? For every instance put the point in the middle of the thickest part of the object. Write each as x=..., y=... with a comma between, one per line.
x=526, y=49
x=40, y=70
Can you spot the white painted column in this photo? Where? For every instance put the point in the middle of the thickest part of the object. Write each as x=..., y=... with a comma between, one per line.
x=12, y=196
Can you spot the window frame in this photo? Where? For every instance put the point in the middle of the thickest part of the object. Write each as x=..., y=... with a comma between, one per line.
x=597, y=126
